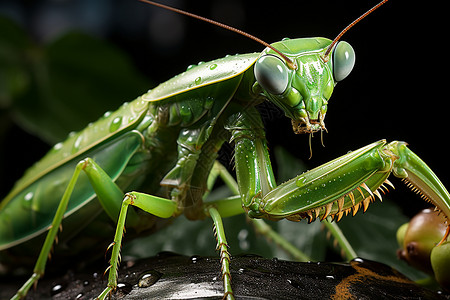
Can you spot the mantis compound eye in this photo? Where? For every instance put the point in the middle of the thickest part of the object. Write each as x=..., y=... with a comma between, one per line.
x=343, y=60
x=272, y=74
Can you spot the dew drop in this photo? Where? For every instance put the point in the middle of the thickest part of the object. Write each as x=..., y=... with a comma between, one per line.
x=329, y=277
x=300, y=181
x=198, y=80
x=106, y=114
x=57, y=147
x=195, y=259
x=213, y=66
x=190, y=67
x=77, y=144
x=209, y=102
x=56, y=289
x=295, y=284
x=358, y=260
x=28, y=196
x=124, y=288
x=79, y=296
x=115, y=124
x=149, y=278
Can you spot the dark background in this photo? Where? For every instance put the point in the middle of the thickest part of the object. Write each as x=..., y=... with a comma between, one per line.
x=396, y=90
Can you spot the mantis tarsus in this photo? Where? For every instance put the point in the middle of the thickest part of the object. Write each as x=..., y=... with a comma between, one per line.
x=215, y=104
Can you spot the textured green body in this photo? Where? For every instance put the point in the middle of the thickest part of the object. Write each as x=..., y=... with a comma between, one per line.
x=157, y=119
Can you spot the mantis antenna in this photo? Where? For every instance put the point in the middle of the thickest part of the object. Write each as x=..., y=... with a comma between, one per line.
x=288, y=61
x=325, y=56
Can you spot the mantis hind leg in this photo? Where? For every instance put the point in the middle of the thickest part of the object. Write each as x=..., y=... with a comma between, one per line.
x=160, y=207
x=165, y=208
x=39, y=268
x=93, y=171
x=108, y=194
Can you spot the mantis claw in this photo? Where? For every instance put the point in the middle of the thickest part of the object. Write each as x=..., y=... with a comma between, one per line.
x=351, y=182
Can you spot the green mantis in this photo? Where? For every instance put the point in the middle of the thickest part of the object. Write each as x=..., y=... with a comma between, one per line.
x=164, y=144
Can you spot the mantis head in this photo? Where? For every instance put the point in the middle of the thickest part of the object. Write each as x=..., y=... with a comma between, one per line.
x=303, y=87
x=298, y=75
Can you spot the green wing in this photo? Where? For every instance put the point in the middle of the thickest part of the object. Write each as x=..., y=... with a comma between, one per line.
x=203, y=74
x=127, y=116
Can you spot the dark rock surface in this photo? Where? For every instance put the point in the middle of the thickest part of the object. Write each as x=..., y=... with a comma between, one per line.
x=171, y=276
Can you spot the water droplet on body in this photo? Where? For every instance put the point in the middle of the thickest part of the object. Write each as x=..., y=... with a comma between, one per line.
x=28, y=196
x=300, y=181
x=115, y=124
x=77, y=145
x=57, y=147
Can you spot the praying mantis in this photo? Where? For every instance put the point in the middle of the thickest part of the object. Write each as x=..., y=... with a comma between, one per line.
x=193, y=114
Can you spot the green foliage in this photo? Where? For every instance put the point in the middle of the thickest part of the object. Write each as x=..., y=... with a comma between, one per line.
x=59, y=87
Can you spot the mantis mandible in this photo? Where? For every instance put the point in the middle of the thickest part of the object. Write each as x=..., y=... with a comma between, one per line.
x=168, y=139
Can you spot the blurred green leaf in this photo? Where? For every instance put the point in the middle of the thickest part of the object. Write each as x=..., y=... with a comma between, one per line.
x=53, y=89
x=14, y=76
x=288, y=165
